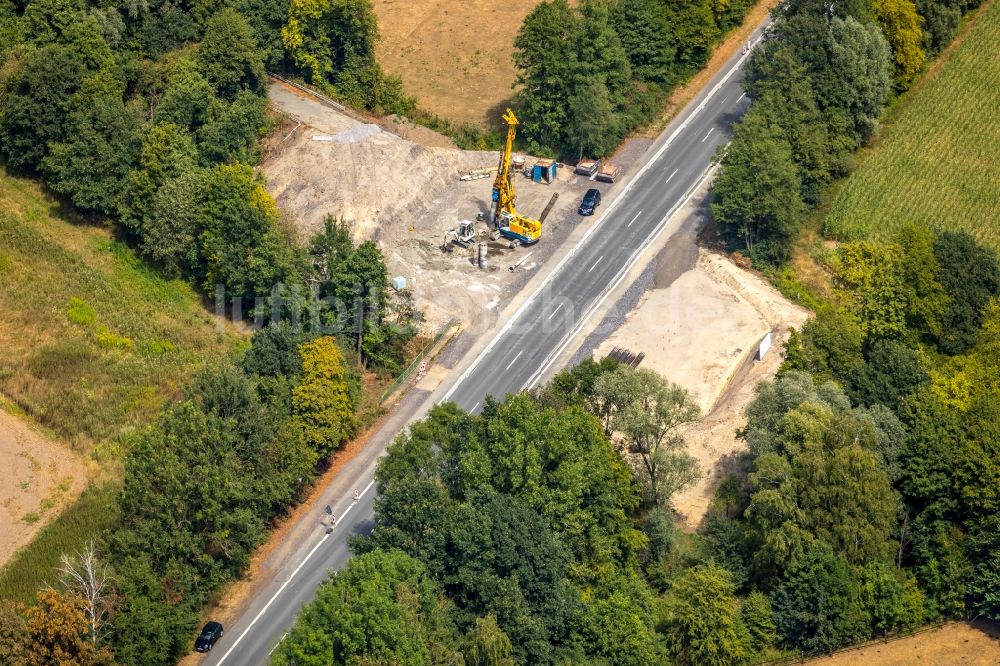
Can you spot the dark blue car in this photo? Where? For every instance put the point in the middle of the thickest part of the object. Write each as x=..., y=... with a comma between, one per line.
x=209, y=635
x=591, y=200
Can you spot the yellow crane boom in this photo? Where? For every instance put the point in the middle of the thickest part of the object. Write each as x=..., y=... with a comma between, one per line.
x=506, y=219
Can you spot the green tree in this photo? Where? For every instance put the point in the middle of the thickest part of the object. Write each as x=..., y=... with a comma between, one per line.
x=758, y=618
x=900, y=24
x=101, y=147
x=871, y=274
x=167, y=152
x=239, y=241
x=230, y=131
x=321, y=402
x=861, y=67
x=815, y=606
x=650, y=412
x=693, y=30
x=546, y=62
x=645, y=35
x=487, y=644
x=757, y=196
x=382, y=607
x=701, y=618
x=970, y=275
x=37, y=109
x=620, y=632
x=171, y=228
x=228, y=55
x=187, y=96
x=592, y=124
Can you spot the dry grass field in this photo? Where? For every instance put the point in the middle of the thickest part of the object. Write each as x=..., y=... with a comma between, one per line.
x=454, y=56
x=936, y=159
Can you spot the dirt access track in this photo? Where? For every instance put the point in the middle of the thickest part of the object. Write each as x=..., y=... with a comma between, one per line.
x=38, y=478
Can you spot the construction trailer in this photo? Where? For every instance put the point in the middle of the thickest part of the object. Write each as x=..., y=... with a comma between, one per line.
x=504, y=217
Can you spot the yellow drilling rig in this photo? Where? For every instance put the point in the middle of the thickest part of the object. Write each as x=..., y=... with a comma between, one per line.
x=505, y=219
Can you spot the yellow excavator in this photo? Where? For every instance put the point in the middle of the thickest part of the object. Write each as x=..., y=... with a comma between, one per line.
x=505, y=218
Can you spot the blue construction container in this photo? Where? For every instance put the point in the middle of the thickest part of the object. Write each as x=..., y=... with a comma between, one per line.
x=544, y=171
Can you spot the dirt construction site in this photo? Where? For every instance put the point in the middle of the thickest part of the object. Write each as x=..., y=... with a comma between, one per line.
x=401, y=186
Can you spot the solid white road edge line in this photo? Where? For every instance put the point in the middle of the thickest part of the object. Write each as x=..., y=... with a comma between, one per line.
x=534, y=379
x=600, y=220
x=291, y=576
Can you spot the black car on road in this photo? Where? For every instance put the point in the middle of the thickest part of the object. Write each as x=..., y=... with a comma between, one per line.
x=209, y=635
x=591, y=200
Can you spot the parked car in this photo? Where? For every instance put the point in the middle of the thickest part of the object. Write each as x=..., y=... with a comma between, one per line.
x=209, y=635
x=591, y=200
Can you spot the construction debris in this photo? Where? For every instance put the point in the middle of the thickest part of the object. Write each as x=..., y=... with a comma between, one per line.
x=608, y=172
x=587, y=167
x=626, y=357
x=520, y=261
x=476, y=174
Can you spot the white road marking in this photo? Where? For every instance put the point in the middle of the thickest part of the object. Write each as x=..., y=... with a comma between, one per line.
x=741, y=97
x=724, y=99
x=671, y=176
x=277, y=644
x=473, y=408
x=607, y=212
x=596, y=262
x=289, y=580
x=553, y=357
x=512, y=362
x=558, y=308
x=707, y=135
x=633, y=219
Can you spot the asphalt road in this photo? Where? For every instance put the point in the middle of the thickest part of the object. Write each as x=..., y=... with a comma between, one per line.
x=520, y=354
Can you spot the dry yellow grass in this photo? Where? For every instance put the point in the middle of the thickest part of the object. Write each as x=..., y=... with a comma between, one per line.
x=456, y=57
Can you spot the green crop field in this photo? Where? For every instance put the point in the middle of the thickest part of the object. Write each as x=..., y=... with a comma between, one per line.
x=937, y=162
x=93, y=340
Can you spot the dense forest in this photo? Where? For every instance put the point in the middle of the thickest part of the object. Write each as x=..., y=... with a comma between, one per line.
x=541, y=531
x=590, y=74
x=147, y=118
x=818, y=82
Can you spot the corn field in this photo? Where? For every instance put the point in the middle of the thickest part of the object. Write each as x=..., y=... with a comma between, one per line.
x=937, y=162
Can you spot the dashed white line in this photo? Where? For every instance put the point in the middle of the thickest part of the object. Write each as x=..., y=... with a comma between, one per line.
x=709, y=134
x=671, y=176
x=289, y=580
x=596, y=262
x=633, y=219
x=724, y=99
x=558, y=308
x=510, y=364
x=474, y=407
x=741, y=97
